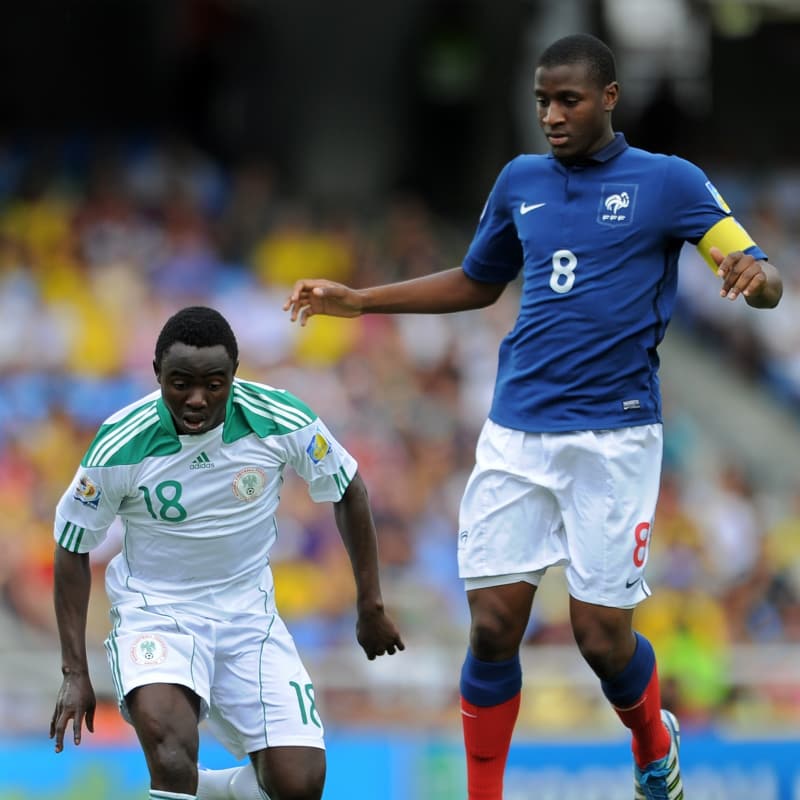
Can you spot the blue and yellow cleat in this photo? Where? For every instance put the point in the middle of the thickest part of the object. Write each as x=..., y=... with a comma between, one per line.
x=661, y=780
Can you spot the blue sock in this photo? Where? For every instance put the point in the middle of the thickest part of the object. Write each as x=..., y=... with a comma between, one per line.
x=490, y=683
x=625, y=690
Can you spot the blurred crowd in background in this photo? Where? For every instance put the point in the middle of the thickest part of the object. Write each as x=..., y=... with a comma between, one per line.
x=98, y=248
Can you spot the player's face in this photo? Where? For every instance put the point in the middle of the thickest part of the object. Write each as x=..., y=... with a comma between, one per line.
x=573, y=110
x=195, y=384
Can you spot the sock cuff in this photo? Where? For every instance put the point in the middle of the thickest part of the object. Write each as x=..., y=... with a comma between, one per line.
x=160, y=794
x=490, y=683
x=626, y=689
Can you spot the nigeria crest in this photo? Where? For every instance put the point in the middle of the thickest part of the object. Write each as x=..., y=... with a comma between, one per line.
x=149, y=649
x=249, y=483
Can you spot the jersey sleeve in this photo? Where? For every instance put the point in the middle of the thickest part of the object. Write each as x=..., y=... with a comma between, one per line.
x=495, y=254
x=87, y=508
x=321, y=461
x=700, y=215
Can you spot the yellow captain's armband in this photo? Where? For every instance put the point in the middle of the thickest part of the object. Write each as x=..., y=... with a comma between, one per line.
x=728, y=235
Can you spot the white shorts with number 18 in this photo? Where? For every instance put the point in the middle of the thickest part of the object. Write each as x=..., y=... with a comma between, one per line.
x=253, y=687
x=584, y=500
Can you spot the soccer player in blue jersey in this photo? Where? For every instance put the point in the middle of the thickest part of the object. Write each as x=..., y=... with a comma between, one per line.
x=568, y=463
x=194, y=471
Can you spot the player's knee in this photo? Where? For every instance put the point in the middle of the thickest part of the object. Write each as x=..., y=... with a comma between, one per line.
x=597, y=653
x=484, y=639
x=493, y=644
x=494, y=635
x=499, y=617
x=601, y=651
x=170, y=763
x=604, y=637
x=305, y=784
x=168, y=753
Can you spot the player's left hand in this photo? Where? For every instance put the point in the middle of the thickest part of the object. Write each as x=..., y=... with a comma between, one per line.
x=740, y=273
x=76, y=702
x=377, y=634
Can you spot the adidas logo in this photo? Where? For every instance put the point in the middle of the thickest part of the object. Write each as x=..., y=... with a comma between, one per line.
x=202, y=462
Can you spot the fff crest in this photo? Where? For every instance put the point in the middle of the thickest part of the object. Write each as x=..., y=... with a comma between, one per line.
x=617, y=204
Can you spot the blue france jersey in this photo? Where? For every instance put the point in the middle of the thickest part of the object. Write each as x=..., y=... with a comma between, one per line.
x=598, y=245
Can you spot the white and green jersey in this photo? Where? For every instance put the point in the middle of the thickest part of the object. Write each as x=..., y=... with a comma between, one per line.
x=198, y=511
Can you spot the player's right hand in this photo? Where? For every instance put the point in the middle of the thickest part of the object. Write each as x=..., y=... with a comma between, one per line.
x=377, y=634
x=319, y=296
x=741, y=274
x=76, y=702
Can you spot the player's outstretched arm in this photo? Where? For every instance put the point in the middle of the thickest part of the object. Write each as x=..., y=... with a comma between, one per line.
x=76, y=698
x=759, y=282
x=375, y=631
x=438, y=293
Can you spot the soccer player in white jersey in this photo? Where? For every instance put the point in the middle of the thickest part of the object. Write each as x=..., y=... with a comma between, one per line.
x=568, y=463
x=194, y=471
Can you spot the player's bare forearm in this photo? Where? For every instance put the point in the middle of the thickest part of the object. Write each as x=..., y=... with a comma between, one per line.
x=376, y=633
x=357, y=529
x=439, y=293
x=76, y=699
x=72, y=585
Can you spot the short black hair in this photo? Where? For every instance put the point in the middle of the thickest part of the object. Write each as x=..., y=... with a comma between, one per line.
x=197, y=326
x=582, y=48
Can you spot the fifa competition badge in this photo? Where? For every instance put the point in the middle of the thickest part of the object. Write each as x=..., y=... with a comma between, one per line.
x=318, y=448
x=718, y=198
x=249, y=483
x=149, y=649
x=87, y=493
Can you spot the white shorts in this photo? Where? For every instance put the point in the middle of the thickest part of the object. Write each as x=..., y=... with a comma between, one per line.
x=585, y=500
x=253, y=687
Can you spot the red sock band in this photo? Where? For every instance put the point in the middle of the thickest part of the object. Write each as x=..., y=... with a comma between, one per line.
x=487, y=738
x=650, y=737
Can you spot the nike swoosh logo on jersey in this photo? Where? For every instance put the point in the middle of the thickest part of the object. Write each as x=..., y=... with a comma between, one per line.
x=631, y=584
x=524, y=209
